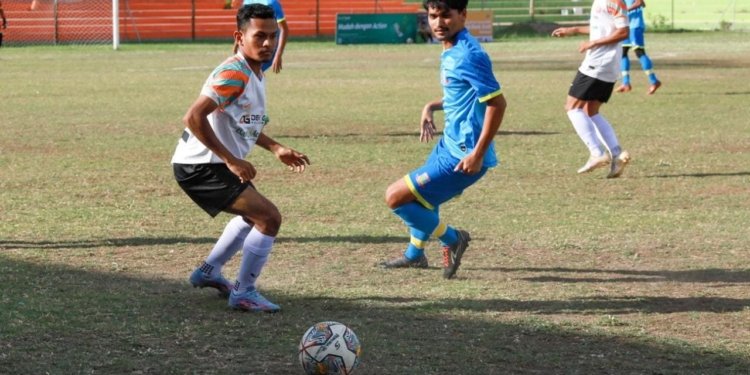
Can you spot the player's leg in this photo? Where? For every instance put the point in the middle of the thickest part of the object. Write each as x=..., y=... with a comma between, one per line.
x=420, y=220
x=416, y=198
x=255, y=208
x=620, y=158
x=582, y=123
x=625, y=69
x=648, y=69
x=209, y=273
x=646, y=63
x=213, y=187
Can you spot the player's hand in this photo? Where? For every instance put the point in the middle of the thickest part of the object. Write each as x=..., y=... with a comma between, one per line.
x=471, y=164
x=584, y=46
x=276, y=66
x=561, y=32
x=243, y=169
x=296, y=161
x=427, y=128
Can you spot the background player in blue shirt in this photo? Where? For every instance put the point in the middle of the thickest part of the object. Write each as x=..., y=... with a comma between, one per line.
x=638, y=43
x=474, y=107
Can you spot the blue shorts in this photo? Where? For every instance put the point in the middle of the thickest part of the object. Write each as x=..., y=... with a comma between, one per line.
x=635, y=40
x=436, y=182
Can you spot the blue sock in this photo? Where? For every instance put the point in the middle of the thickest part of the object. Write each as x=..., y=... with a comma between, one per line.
x=647, y=65
x=447, y=234
x=415, y=250
x=625, y=67
x=421, y=222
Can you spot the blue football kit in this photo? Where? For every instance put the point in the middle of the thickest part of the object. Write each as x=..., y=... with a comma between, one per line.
x=468, y=83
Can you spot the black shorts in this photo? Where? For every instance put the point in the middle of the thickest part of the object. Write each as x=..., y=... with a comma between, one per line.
x=589, y=88
x=213, y=187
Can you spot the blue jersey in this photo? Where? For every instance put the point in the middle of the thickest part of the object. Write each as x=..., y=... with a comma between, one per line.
x=276, y=5
x=635, y=16
x=468, y=83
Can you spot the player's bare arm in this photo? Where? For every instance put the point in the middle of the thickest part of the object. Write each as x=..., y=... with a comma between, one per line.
x=296, y=161
x=427, y=123
x=617, y=36
x=562, y=32
x=196, y=119
x=493, y=118
x=276, y=66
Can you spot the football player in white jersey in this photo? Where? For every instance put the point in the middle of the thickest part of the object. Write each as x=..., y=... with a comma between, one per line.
x=594, y=82
x=222, y=127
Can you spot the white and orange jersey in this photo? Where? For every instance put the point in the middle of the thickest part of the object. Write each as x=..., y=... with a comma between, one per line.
x=603, y=62
x=239, y=119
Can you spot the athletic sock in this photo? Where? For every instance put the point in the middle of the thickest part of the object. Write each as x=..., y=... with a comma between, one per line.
x=415, y=250
x=647, y=66
x=607, y=133
x=447, y=234
x=625, y=67
x=421, y=222
x=256, y=249
x=586, y=130
x=229, y=243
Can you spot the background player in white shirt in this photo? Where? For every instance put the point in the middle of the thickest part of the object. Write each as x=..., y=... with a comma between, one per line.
x=222, y=127
x=594, y=82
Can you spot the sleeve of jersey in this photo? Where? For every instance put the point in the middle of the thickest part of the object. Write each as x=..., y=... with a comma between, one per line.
x=477, y=70
x=619, y=11
x=225, y=86
x=279, y=12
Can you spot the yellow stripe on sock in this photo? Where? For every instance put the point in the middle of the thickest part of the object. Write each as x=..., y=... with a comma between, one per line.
x=414, y=191
x=440, y=230
x=419, y=244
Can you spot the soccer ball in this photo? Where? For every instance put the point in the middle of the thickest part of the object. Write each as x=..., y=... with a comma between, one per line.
x=329, y=348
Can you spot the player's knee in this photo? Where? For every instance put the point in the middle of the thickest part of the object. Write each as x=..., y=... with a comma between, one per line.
x=390, y=197
x=396, y=195
x=270, y=222
x=640, y=52
x=625, y=50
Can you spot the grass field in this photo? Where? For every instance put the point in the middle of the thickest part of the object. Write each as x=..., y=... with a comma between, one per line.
x=567, y=274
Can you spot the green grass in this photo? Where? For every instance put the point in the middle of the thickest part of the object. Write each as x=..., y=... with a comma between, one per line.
x=567, y=274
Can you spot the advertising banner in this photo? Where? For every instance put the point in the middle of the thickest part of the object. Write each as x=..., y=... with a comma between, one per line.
x=376, y=28
x=479, y=23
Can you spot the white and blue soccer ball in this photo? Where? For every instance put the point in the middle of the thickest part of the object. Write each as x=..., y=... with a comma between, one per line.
x=329, y=348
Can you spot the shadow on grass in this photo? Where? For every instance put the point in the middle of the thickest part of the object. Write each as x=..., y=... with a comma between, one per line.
x=413, y=134
x=708, y=275
x=158, y=241
x=701, y=175
x=59, y=319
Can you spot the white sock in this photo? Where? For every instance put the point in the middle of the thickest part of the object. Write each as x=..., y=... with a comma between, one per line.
x=256, y=249
x=586, y=130
x=607, y=133
x=228, y=244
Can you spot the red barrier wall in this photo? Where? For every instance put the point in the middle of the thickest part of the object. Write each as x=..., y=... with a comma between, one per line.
x=90, y=20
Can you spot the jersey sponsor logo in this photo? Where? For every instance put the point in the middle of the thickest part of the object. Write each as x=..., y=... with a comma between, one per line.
x=423, y=179
x=443, y=78
x=250, y=133
x=248, y=119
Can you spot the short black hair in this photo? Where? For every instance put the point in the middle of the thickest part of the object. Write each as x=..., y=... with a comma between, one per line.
x=458, y=5
x=250, y=11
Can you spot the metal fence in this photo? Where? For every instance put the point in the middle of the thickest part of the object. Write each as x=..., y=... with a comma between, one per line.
x=660, y=14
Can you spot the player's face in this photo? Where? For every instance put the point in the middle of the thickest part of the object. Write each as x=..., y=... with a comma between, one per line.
x=258, y=40
x=445, y=23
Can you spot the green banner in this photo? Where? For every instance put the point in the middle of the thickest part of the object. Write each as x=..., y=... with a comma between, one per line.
x=376, y=28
